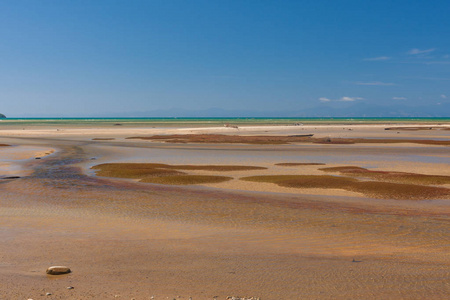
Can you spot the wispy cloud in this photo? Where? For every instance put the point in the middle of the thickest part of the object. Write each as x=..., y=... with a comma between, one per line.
x=416, y=51
x=375, y=83
x=399, y=98
x=379, y=58
x=349, y=99
x=444, y=96
x=345, y=99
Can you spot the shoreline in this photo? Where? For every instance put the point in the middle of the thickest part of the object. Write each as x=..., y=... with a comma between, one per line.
x=344, y=130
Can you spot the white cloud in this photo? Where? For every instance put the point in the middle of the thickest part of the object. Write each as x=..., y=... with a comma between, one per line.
x=345, y=99
x=416, y=51
x=444, y=96
x=399, y=98
x=379, y=58
x=349, y=99
x=375, y=83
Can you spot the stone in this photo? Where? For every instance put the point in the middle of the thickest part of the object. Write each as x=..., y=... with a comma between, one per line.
x=58, y=270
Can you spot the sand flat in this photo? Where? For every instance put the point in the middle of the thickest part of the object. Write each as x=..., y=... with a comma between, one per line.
x=14, y=158
x=124, y=239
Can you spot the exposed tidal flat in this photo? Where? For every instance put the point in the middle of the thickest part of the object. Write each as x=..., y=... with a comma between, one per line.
x=143, y=217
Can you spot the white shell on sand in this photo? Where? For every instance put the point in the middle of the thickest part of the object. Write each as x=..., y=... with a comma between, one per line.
x=57, y=270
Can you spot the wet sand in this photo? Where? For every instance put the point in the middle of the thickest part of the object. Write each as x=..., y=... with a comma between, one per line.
x=125, y=239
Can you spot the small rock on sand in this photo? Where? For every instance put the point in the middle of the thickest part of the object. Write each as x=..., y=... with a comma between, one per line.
x=58, y=270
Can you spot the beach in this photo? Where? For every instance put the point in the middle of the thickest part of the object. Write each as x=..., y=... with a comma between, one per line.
x=340, y=210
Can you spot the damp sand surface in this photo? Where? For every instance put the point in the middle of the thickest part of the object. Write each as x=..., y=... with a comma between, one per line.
x=13, y=159
x=127, y=239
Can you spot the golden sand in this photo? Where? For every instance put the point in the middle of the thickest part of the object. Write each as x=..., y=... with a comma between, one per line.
x=126, y=239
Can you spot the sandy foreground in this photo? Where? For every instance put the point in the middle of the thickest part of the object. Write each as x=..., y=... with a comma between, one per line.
x=124, y=239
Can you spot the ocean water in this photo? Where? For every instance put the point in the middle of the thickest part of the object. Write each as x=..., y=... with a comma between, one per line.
x=204, y=122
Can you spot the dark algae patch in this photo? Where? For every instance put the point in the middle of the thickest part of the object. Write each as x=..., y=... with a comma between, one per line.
x=401, y=191
x=374, y=184
x=186, y=179
x=373, y=189
x=417, y=128
x=398, y=141
x=304, y=181
x=299, y=164
x=397, y=177
x=280, y=140
x=135, y=173
x=227, y=139
x=380, y=141
x=342, y=169
x=167, y=174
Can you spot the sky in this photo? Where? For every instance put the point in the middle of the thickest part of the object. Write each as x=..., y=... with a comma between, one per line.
x=118, y=58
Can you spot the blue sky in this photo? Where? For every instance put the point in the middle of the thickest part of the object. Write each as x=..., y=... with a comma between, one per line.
x=87, y=58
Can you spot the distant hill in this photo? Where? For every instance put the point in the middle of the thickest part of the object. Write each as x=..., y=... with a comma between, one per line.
x=2, y=116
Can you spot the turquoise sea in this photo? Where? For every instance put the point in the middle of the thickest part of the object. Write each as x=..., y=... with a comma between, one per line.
x=204, y=122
